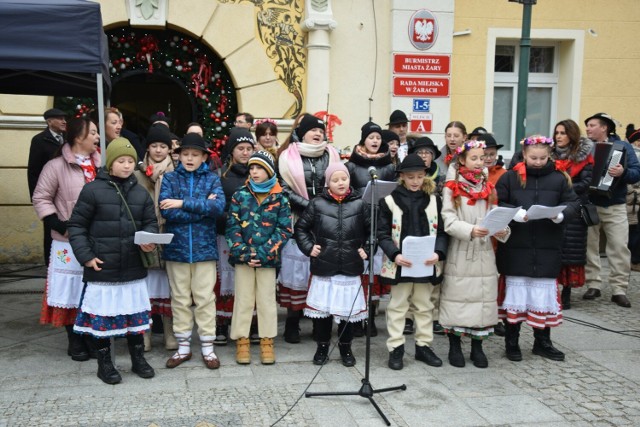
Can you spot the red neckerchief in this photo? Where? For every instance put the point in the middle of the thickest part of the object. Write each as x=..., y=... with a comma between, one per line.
x=339, y=199
x=473, y=176
x=447, y=159
x=521, y=170
x=460, y=189
x=572, y=168
x=89, y=171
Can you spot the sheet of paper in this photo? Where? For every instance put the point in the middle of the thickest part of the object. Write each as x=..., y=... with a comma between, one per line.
x=383, y=189
x=498, y=218
x=142, y=237
x=418, y=250
x=542, y=212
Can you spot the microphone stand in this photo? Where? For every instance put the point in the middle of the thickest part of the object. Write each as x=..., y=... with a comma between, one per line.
x=366, y=390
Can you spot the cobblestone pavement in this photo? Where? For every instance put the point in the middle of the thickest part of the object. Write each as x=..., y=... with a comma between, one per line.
x=597, y=385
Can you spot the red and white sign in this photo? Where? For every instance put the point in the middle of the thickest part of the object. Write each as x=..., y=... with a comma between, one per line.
x=407, y=63
x=421, y=123
x=421, y=86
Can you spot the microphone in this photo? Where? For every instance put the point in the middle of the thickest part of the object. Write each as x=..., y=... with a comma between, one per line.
x=373, y=173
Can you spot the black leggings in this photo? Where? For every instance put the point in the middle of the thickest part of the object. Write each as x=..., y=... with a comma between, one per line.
x=132, y=339
x=323, y=330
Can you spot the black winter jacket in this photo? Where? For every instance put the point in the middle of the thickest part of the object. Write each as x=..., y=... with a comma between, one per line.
x=100, y=227
x=414, y=223
x=314, y=168
x=534, y=248
x=232, y=179
x=358, y=168
x=340, y=229
x=574, y=247
x=43, y=148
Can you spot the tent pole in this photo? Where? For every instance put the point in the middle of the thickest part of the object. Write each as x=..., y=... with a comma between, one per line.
x=101, y=127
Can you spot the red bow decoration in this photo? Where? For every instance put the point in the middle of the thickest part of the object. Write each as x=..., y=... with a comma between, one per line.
x=202, y=77
x=331, y=121
x=149, y=170
x=148, y=45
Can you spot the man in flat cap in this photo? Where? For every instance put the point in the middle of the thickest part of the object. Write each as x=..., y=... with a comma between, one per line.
x=613, y=217
x=43, y=147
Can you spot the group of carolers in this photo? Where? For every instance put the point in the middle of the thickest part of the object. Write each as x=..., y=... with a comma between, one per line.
x=293, y=228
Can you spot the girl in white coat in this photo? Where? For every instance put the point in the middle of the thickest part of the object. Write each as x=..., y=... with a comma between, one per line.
x=468, y=301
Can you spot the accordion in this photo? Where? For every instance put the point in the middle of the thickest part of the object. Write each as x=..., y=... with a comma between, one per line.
x=606, y=156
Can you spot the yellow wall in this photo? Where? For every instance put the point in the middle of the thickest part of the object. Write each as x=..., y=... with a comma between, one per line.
x=611, y=59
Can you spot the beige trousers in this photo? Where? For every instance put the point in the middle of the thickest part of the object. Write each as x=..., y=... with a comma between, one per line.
x=614, y=223
x=418, y=295
x=254, y=287
x=193, y=283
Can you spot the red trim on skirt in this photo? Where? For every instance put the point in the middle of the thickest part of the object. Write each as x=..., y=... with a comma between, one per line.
x=572, y=276
x=56, y=316
x=161, y=306
x=224, y=303
x=531, y=318
x=377, y=289
x=291, y=298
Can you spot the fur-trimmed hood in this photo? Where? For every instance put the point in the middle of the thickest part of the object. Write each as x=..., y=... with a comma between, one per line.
x=585, y=148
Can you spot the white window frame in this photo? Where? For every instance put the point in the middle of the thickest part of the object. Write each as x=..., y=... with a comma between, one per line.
x=567, y=71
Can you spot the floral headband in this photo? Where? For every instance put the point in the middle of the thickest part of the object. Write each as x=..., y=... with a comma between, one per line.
x=261, y=121
x=468, y=145
x=537, y=139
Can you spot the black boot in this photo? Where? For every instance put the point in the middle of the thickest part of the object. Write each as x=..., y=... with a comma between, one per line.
x=542, y=345
x=292, y=330
x=456, y=358
x=139, y=364
x=565, y=297
x=477, y=355
x=322, y=354
x=358, y=328
x=348, y=359
x=76, y=349
x=511, y=337
x=395, y=358
x=498, y=329
x=106, y=371
x=89, y=345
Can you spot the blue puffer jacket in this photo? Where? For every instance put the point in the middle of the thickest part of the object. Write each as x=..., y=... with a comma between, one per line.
x=193, y=225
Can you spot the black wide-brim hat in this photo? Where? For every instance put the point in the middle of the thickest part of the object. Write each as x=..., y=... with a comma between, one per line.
x=605, y=118
x=424, y=142
x=411, y=163
x=477, y=131
x=489, y=141
x=398, y=117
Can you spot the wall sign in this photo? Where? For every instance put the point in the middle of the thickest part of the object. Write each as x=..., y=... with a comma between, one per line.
x=423, y=29
x=429, y=86
x=407, y=63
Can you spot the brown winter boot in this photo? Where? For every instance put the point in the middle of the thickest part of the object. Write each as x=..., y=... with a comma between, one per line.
x=243, y=355
x=267, y=356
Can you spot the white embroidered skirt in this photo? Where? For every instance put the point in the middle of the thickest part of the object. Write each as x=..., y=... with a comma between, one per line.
x=294, y=273
x=339, y=296
x=65, y=283
x=158, y=284
x=226, y=272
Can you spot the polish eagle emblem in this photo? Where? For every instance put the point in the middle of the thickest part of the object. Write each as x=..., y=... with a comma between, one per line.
x=423, y=30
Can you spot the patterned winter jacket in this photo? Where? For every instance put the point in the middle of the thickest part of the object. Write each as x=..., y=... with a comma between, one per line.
x=262, y=227
x=193, y=225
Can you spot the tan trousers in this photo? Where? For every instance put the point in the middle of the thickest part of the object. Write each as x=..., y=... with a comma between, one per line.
x=254, y=287
x=193, y=283
x=614, y=223
x=420, y=296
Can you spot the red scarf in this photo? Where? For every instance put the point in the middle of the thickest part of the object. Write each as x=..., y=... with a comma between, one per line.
x=572, y=168
x=521, y=170
x=339, y=199
x=463, y=189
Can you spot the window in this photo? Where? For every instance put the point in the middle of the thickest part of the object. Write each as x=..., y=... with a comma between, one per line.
x=541, y=94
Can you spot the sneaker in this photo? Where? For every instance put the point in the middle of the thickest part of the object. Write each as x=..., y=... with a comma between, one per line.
x=408, y=327
x=395, y=358
x=222, y=335
x=426, y=355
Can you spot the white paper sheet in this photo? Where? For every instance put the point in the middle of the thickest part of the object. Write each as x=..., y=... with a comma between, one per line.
x=418, y=250
x=383, y=189
x=143, y=237
x=542, y=212
x=498, y=218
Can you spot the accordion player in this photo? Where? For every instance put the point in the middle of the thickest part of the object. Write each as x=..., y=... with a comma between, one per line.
x=606, y=156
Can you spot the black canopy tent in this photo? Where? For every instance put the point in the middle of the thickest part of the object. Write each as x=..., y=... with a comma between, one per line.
x=56, y=48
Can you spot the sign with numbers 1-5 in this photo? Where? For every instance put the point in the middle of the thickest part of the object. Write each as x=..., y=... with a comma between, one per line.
x=421, y=105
